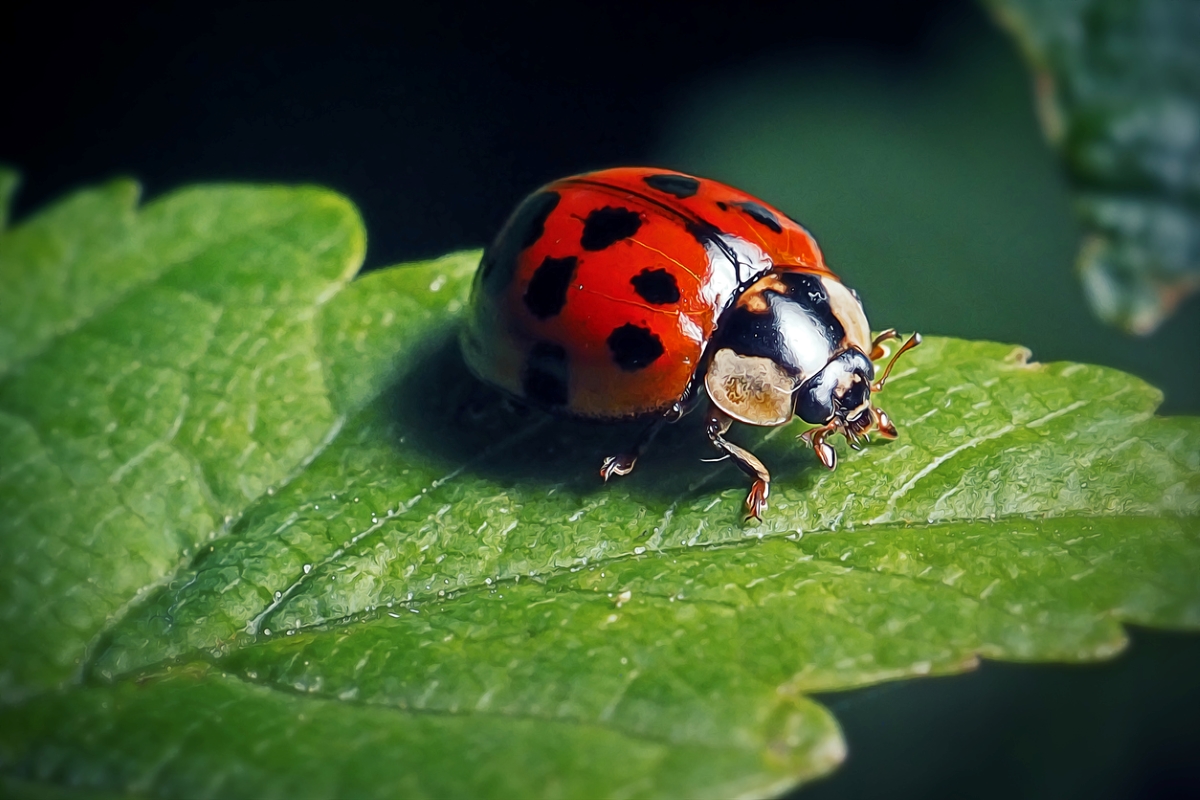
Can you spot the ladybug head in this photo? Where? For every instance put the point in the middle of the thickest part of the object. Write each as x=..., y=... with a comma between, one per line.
x=839, y=398
x=783, y=349
x=761, y=391
x=839, y=394
x=793, y=343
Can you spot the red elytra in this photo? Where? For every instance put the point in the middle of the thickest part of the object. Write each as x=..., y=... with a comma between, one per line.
x=607, y=295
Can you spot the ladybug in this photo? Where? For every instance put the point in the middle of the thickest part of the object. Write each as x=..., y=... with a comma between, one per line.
x=636, y=292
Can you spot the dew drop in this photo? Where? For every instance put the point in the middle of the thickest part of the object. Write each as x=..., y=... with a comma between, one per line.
x=307, y=568
x=639, y=550
x=278, y=595
x=266, y=631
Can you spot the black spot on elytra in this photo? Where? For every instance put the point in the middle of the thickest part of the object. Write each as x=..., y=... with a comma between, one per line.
x=545, y=378
x=761, y=215
x=634, y=347
x=607, y=226
x=547, y=291
x=681, y=186
x=523, y=228
x=703, y=231
x=656, y=286
x=722, y=206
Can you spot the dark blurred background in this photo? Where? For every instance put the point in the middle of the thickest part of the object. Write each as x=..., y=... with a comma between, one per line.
x=902, y=133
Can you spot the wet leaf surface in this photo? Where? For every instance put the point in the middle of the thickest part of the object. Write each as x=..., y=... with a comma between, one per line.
x=391, y=582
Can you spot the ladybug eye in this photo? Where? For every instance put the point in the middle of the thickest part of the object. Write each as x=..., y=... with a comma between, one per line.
x=750, y=389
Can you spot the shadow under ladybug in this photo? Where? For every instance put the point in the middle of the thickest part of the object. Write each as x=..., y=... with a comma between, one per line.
x=462, y=422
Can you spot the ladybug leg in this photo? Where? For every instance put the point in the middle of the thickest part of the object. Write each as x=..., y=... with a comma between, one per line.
x=756, y=501
x=815, y=438
x=884, y=423
x=623, y=463
x=877, y=352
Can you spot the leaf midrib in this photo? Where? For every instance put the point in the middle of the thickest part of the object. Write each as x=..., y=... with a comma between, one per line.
x=475, y=588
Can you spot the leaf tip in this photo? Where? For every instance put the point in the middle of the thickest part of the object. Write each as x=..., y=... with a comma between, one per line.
x=345, y=207
x=1123, y=291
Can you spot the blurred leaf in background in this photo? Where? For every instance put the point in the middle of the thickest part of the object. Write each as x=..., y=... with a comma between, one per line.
x=931, y=190
x=1118, y=94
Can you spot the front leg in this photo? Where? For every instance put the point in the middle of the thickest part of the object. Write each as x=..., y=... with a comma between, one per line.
x=815, y=438
x=716, y=426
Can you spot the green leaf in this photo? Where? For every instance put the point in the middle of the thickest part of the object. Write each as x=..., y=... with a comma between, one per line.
x=159, y=372
x=1118, y=92
x=440, y=597
x=234, y=739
